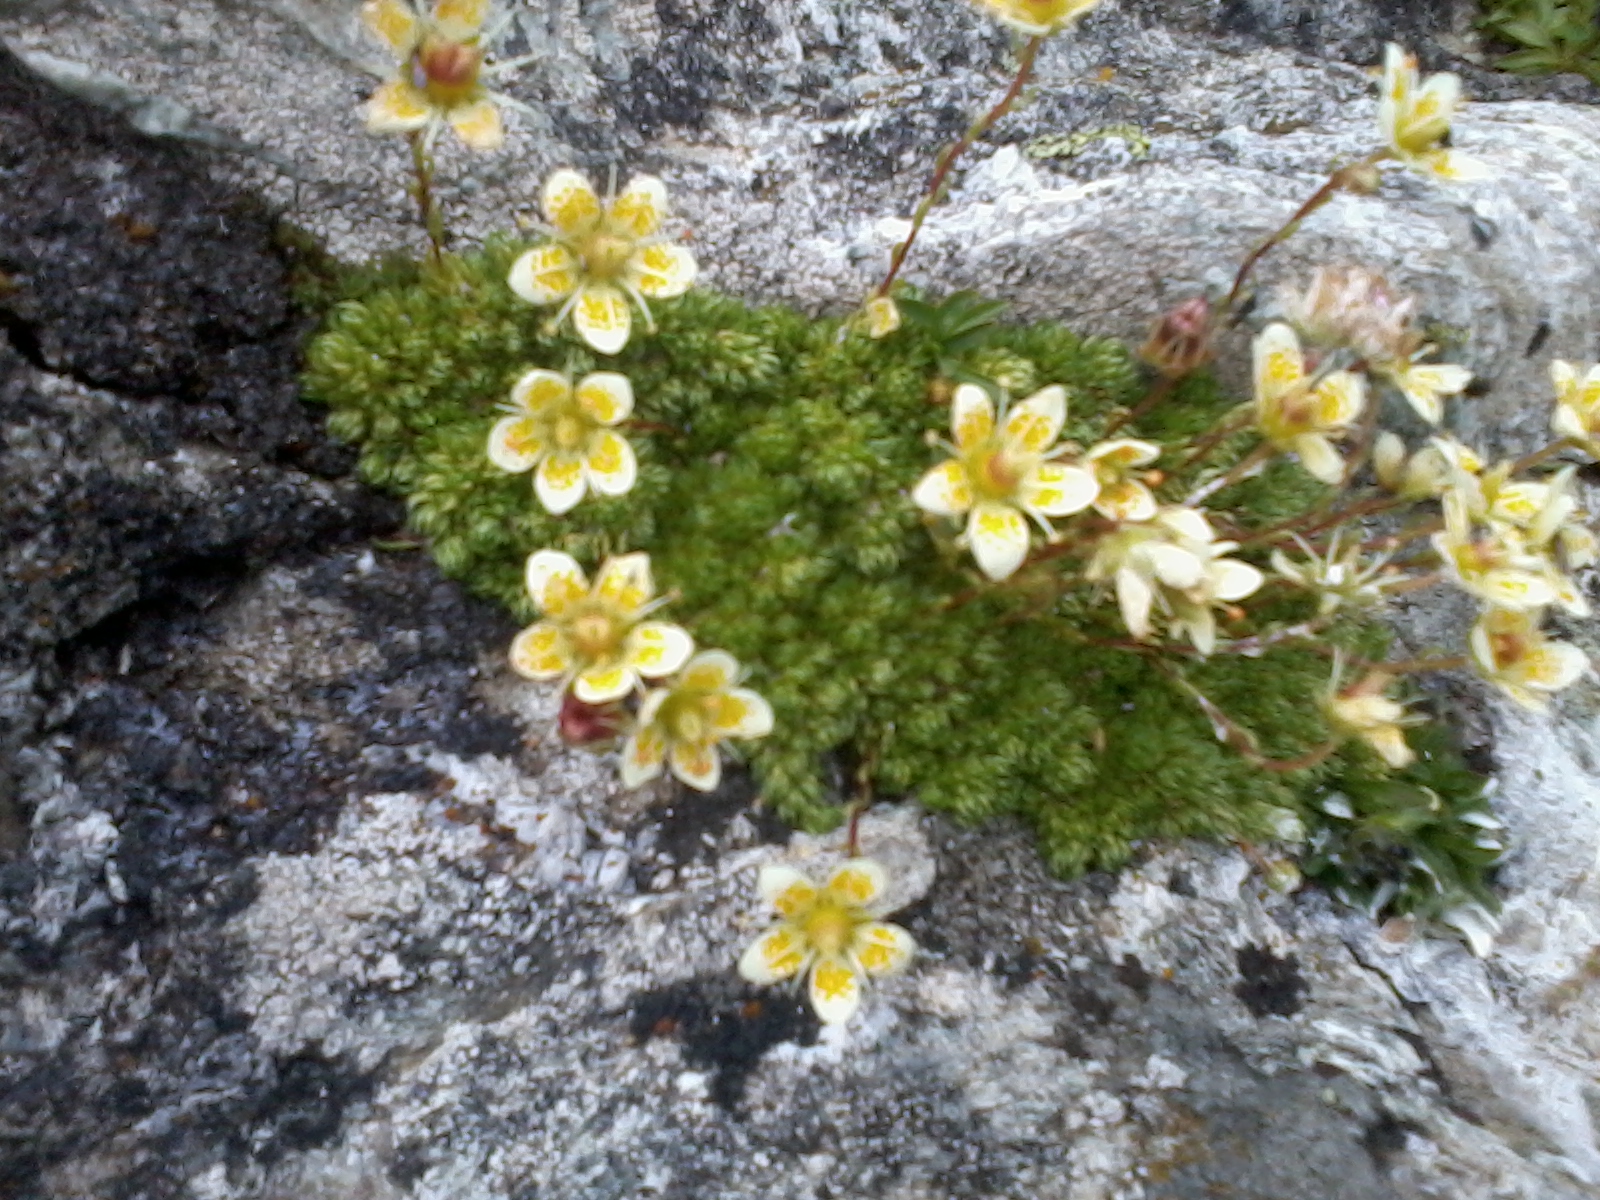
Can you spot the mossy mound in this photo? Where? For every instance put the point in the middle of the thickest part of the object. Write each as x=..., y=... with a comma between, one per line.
x=775, y=460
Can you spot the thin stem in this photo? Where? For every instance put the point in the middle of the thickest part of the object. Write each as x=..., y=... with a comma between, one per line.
x=1220, y=433
x=1159, y=391
x=1538, y=456
x=428, y=208
x=1366, y=508
x=1247, y=466
x=947, y=159
x=1337, y=182
x=1238, y=738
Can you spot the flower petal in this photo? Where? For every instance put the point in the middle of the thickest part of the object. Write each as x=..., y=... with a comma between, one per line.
x=539, y=652
x=599, y=684
x=569, y=203
x=478, y=125
x=601, y=317
x=777, y=954
x=1035, y=423
x=643, y=755
x=466, y=15
x=1319, y=458
x=835, y=990
x=544, y=274
x=971, y=415
x=1553, y=666
x=641, y=207
x=514, y=444
x=606, y=396
x=1456, y=167
x=1134, y=598
x=656, y=648
x=611, y=464
x=1519, y=591
x=710, y=671
x=1340, y=398
x=1279, y=365
x=944, y=491
x=882, y=316
x=999, y=538
x=559, y=482
x=1390, y=743
x=1424, y=384
x=1174, y=566
x=786, y=889
x=882, y=948
x=742, y=713
x=1428, y=120
x=1059, y=489
x=662, y=271
x=1234, y=580
x=397, y=107
x=625, y=581
x=1124, y=453
x=394, y=23
x=538, y=391
x=856, y=883
x=555, y=581
x=1127, y=500
x=696, y=763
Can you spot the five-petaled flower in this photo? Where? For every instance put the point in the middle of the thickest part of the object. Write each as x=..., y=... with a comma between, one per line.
x=1297, y=412
x=596, y=638
x=1123, y=495
x=566, y=432
x=1000, y=471
x=1513, y=654
x=833, y=931
x=1577, y=415
x=1495, y=564
x=1415, y=119
x=1172, y=564
x=682, y=724
x=1364, y=711
x=880, y=316
x=1037, y=18
x=440, y=71
x=602, y=253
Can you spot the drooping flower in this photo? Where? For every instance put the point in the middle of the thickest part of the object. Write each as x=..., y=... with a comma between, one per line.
x=1537, y=517
x=1441, y=464
x=1173, y=565
x=1298, y=413
x=834, y=932
x=603, y=253
x=682, y=724
x=596, y=638
x=440, y=72
x=1352, y=308
x=1511, y=652
x=1037, y=18
x=567, y=433
x=1415, y=120
x=1000, y=471
x=1123, y=494
x=1577, y=415
x=1340, y=577
x=1425, y=384
x=1364, y=711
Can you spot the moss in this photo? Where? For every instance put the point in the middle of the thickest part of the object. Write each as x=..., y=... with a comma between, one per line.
x=775, y=461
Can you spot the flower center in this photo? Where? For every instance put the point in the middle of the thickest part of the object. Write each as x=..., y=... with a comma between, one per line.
x=446, y=72
x=606, y=255
x=828, y=928
x=995, y=474
x=567, y=432
x=1507, y=648
x=595, y=636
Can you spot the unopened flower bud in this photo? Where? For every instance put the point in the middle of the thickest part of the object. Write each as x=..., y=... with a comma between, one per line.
x=583, y=724
x=1389, y=460
x=1362, y=178
x=1180, y=342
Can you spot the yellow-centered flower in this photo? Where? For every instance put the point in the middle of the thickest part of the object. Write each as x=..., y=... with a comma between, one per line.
x=1577, y=415
x=1000, y=471
x=596, y=638
x=880, y=316
x=1424, y=385
x=1123, y=495
x=1494, y=564
x=1298, y=413
x=834, y=932
x=1172, y=565
x=603, y=253
x=1513, y=654
x=1415, y=119
x=1364, y=711
x=566, y=432
x=440, y=73
x=1037, y=18
x=682, y=724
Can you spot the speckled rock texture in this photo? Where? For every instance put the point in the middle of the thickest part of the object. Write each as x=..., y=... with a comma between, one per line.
x=300, y=897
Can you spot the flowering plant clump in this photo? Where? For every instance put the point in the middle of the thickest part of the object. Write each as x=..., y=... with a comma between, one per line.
x=1155, y=664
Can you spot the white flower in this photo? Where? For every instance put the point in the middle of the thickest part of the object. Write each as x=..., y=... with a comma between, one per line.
x=1415, y=120
x=681, y=725
x=1298, y=413
x=567, y=434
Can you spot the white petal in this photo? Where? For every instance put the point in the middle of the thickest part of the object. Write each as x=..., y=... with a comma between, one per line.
x=558, y=568
x=1234, y=580
x=999, y=538
x=835, y=990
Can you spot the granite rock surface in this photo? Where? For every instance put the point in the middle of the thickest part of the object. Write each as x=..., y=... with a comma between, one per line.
x=299, y=896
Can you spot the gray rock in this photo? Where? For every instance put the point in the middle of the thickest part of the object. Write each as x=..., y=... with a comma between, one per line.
x=301, y=899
